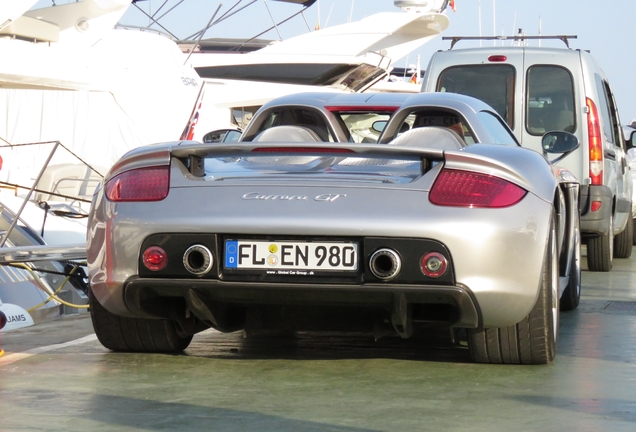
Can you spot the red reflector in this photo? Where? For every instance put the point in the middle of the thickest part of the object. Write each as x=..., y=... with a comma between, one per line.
x=468, y=189
x=301, y=150
x=143, y=184
x=434, y=264
x=155, y=258
x=497, y=58
x=596, y=205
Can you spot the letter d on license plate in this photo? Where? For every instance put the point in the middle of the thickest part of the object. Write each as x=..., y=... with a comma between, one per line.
x=291, y=255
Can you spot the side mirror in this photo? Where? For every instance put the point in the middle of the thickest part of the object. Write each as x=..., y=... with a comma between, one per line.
x=559, y=142
x=222, y=135
x=379, y=125
x=630, y=142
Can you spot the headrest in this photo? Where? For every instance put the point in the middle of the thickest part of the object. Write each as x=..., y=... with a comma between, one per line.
x=433, y=137
x=288, y=134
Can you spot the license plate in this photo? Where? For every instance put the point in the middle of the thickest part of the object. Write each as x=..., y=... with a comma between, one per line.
x=295, y=257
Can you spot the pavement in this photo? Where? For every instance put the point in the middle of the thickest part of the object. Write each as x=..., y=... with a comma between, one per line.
x=57, y=377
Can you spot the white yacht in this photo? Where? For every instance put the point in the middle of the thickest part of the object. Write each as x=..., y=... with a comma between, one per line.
x=356, y=57
x=77, y=90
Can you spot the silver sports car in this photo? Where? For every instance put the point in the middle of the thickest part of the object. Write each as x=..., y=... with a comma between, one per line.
x=444, y=219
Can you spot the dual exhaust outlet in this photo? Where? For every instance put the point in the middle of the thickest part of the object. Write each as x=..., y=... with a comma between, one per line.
x=198, y=260
x=385, y=263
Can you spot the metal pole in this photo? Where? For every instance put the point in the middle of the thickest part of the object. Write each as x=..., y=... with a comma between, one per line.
x=201, y=35
x=273, y=21
x=28, y=197
x=154, y=21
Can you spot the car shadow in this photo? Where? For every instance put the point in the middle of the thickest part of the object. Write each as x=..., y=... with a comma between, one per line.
x=430, y=344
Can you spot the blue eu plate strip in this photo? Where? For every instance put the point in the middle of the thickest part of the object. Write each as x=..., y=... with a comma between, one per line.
x=231, y=254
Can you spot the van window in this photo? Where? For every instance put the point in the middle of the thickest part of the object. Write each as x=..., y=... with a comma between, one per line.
x=550, y=104
x=606, y=108
x=493, y=84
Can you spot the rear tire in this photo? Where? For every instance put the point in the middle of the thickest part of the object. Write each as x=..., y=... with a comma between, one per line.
x=533, y=340
x=624, y=241
x=600, y=250
x=572, y=294
x=135, y=334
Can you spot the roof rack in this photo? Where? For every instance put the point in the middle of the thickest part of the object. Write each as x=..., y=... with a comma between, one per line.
x=455, y=39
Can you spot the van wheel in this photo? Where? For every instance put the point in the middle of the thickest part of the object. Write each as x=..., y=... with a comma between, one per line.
x=600, y=250
x=135, y=334
x=572, y=294
x=624, y=241
x=634, y=229
x=534, y=339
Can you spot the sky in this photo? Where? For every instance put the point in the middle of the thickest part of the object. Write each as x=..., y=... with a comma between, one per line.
x=606, y=29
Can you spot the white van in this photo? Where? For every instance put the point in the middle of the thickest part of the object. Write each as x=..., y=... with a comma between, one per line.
x=538, y=90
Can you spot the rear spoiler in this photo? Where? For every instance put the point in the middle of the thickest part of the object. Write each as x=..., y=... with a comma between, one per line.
x=186, y=149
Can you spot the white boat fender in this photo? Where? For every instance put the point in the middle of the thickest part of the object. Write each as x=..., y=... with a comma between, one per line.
x=15, y=317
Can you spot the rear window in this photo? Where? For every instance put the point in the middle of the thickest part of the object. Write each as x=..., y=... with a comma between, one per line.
x=493, y=84
x=445, y=119
x=381, y=170
x=362, y=127
x=308, y=118
x=550, y=105
x=499, y=133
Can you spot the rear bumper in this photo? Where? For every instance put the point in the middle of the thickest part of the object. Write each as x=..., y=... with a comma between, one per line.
x=209, y=300
x=595, y=222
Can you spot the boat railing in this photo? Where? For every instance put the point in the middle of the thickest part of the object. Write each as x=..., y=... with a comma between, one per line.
x=49, y=180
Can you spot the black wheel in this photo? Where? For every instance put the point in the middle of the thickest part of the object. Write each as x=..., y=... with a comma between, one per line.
x=572, y=294
x=624, y=241
x=600, y=250
x=533, y=340
x=135, y=334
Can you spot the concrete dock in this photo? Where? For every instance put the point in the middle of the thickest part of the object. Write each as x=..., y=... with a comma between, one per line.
x=57, y=377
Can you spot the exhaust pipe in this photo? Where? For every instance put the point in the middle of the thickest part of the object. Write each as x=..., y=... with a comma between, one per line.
x=385, y=264
x=198, y=260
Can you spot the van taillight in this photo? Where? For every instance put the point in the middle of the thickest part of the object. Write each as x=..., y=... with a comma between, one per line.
x=469, y=189
x=596, y=143
x=141, y=184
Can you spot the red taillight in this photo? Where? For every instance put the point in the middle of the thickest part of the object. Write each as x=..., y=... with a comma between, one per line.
x=143, y=184
x=469, y=189
x=433, y=264
x=497, y=58
x=596, y=205
x=155, y=258
x=595, y=142
x=302, y=150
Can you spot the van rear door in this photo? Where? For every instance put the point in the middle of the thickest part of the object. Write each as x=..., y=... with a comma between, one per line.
x=555, y=99
x=490, y=74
